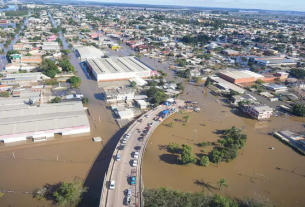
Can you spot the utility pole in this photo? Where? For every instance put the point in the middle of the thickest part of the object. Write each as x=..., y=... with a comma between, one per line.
x=194, y=135
x=14, y=154
x=57, y=157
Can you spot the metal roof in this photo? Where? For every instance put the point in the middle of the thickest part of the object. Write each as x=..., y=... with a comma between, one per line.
x=24, y=119
x=117, y=65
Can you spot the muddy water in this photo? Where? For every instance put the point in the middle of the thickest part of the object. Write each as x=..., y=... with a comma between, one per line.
x=36, y=164
x=257, y=170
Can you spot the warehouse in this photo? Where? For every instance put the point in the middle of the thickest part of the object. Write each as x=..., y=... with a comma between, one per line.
x=85, y=53
x=240, y=76
x=22, y=122
x=227, y=85
x=119, y=68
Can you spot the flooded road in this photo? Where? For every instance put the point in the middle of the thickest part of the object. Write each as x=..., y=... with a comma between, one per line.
x=278, y=174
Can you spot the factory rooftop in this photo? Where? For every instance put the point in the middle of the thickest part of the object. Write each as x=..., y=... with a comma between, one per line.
x=19, y=122
x=117, y=65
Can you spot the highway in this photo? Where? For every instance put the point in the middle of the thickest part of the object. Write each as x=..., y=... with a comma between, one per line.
x=122, y=170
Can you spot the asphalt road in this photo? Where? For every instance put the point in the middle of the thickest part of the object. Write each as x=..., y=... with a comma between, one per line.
x=122, y=169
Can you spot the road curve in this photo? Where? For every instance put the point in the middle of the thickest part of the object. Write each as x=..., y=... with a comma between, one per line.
x=120, y=171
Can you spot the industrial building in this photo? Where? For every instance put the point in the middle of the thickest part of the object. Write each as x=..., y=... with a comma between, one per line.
x=244, y=76
x=21, y=122
x=86, y=53
x=227, y=86
x=119, y=68
x=272, y=61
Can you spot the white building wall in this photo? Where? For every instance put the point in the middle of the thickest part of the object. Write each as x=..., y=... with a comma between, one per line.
x=116, y=76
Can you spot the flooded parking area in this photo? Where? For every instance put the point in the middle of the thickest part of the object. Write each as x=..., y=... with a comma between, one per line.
x=278, y=174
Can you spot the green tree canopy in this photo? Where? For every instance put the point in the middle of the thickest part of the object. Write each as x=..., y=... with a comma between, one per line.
x=56, y=100
x=157, y=95
x=298, y=110
x=66, y=66
x=69, y=194
x=297, y=73
x=187, y=156
x=75, y=80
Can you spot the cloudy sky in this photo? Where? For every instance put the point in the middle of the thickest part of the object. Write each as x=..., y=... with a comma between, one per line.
x=294, y=5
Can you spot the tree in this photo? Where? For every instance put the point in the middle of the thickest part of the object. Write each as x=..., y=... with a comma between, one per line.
x=28, y=54
x=173, y=147
x=85, y=100
x=66, y=66
x=56, y=100
x=187, y=156
x=180, y=86
x=204, y=161
x=298, y=110
x=4, y=94
x=75, y=81
x=170, y=124
x=69, y=194
x=65, y=51
x=1, y=194
x=186, y=118
x=197, y=79
x=259, y=81
x=49, y=68
x=156, y=95
x=133, y=84
x=297, y=73
x=208, y=82
x=222, y=183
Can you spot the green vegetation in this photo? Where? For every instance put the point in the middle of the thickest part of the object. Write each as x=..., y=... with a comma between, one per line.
x=75, y=81
x=66, y=66
x=49, y=68
x=222, y=183
x=187, y=156
x=1, y=194
x=28, y=54
x=16, y=13
x=233, y=139
x=55, y=30
x=204, y=161
x=163, y=74
x=204, y=144
x=56, y=100
x=184, y=73
x=173, y=147
x=133, y=84
x=195, y=39
x=180, y=86
x=65, y=51
x=157, y=95
x=85, y=100
x=208, y=82
x=259, y=81
x=196, y=79
x=171, y=124
x=297, y=73
x=172, y=198
x=181, y=62
x=298, y=110
x=186, y=118
x=63, y=194
x=69, y=194
x=4, y=94
x=59, y=41
x=51, y=82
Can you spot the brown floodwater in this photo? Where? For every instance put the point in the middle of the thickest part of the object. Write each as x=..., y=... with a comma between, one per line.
x=60, y=160
x=257, y=170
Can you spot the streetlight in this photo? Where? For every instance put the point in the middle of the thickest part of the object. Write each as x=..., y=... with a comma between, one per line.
x=194, y=135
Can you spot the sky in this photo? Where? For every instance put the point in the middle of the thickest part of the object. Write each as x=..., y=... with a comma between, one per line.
x=291, y=5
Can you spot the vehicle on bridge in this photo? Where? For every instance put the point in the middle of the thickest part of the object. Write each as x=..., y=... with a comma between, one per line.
x=112, y=185
x=133, y=177
x=136, y=155
x=118, y=157
x=122, y=146
x=134, y=163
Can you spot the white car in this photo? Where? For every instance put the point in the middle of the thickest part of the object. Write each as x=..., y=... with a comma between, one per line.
x=127, y=136
x=136, y=155
x=112, y=185
x=135, y=163
x=124, y=141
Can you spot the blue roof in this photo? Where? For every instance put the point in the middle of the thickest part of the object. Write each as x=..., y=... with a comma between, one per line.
x=165, y=112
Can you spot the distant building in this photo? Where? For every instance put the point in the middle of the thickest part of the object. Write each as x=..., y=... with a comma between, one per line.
x=229, y=52
x=119, y=95
x=240, y=76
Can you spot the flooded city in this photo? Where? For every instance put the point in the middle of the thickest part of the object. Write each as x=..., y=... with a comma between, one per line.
x=277, y=174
